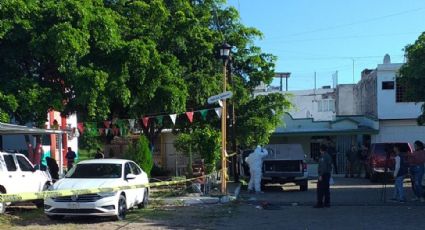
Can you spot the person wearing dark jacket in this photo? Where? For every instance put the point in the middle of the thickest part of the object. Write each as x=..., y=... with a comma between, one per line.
x=53, y=168
x=416, y=162
x=324, y=172
x=70, y=157
x=99, y=154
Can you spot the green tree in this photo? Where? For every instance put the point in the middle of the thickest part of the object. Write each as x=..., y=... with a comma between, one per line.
x=259, y=117
x=205, y=142
x=140, y=153
x=8, y=105
x=119, y=58
x=412, y=74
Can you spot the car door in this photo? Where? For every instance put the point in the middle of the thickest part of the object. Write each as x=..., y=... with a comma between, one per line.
x=12, y=179
x=130, y=193
x=139, y=180
x=29, y=177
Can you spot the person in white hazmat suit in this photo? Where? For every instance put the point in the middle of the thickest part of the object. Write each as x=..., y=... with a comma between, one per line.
x=255, y=162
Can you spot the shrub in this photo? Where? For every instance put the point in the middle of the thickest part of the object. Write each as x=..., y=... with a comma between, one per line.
x=140, y=153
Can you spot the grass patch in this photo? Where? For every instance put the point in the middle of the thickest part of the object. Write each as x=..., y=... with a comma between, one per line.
x=148, y=213
x=19, y=216
x=168, y=192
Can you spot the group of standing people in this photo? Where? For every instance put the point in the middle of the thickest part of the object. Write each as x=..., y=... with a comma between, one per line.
x=409, y=164
x=356, y=160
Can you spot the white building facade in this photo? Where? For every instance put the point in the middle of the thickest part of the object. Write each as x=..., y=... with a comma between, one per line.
x=317, y=104
x=379, y=95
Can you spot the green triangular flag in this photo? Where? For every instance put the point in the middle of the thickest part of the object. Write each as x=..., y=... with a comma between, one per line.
x=159, y=119
x=204, y=114
x=91, y=129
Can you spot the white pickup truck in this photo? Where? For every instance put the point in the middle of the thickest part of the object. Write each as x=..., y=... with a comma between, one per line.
x=285, y=163
x=18, y=175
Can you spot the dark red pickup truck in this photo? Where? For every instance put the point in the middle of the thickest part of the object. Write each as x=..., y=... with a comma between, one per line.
x=381, y=158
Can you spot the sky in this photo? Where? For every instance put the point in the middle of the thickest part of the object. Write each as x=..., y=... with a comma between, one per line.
x=325, y=36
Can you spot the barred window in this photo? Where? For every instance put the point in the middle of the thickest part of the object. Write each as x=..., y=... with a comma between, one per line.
x=400, y=92
x=326, y=105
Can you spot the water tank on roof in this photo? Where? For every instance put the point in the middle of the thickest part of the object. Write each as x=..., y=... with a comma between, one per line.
x=387, y=59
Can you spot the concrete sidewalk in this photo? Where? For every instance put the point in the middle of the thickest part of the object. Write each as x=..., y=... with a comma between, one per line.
x=200, y=199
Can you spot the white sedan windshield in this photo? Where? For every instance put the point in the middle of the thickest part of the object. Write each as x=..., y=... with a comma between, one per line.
x=95, y=171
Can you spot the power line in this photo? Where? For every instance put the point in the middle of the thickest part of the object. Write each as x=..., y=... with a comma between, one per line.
x=337, y=38
x=357, y=22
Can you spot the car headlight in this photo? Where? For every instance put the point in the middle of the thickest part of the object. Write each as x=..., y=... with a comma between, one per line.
x=106, y=194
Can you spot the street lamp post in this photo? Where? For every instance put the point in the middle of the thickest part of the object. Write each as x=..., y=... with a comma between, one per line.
x=224, y=54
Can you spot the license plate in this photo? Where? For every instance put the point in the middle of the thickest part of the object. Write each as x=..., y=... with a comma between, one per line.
x=73, y=205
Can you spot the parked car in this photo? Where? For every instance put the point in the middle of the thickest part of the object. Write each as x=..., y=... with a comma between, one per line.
x=99, y=173
x=18, y=175
x=380, y=161
x=285, y=163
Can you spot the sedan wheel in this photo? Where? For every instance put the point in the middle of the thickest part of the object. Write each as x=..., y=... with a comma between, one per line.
x=145, y=201
x=122, y=208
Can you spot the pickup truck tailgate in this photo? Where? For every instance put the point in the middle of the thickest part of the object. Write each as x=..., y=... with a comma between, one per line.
x=283, y=166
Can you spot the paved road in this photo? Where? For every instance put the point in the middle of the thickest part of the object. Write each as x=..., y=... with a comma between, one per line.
x=356, y=204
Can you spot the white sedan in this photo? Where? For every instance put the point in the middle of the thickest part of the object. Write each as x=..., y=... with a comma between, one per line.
x=99, y=173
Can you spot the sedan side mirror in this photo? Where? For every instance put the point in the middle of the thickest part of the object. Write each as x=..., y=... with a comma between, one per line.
x=130, y=176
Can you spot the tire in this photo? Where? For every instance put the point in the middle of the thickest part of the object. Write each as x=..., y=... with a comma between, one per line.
x=55, y=217
x=2, y=206
x=122, y=208
x=40, y=203
x=304, y=186
x=145, y=202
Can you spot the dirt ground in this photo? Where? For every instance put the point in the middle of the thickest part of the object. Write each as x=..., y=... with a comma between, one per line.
x=164, y=217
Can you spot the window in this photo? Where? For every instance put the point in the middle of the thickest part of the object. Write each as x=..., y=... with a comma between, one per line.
x=400, y=92
x=387, y=85
x=136, y=170
x=127, y=170
x=95, y=171
x=326, y=105
x=24, y=164
x=10, y=163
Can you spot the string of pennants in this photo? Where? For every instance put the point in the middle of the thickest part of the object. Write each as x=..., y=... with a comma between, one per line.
x=121, y=127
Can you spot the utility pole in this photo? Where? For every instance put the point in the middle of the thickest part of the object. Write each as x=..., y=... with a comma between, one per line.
x=225, y=55
x=353, y=70
x=235, y=169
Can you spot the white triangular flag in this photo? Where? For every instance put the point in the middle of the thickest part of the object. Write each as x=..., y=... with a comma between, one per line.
x=131, y=123
x=173, y=118
x=106, y=132
x=218, y=112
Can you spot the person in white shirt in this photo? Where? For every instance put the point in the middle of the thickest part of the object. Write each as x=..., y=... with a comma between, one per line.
x=399, y=173
x=255, y=162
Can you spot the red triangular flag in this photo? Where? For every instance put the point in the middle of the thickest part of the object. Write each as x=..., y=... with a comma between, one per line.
x=101, y=131
x=145, y=121
x=116, y=131
x=190, y=116
x=107, y=124
x=80, y=127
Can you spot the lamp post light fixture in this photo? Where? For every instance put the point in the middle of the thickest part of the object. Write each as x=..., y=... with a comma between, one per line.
x=225, y=55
